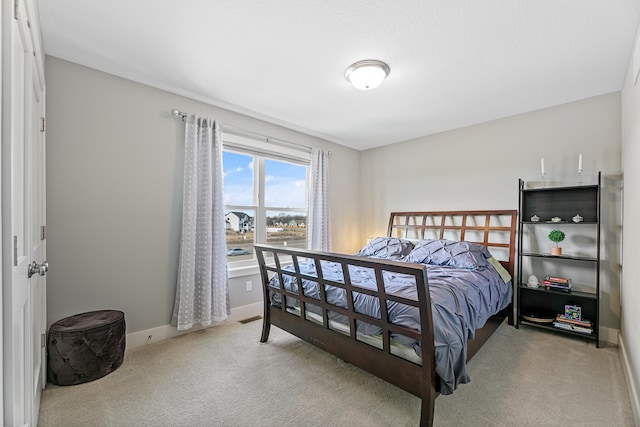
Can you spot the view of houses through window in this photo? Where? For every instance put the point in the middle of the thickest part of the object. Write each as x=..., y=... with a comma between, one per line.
x=265, y=202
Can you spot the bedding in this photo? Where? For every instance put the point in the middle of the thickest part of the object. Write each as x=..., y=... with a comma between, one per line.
x=465, y=290
x=387, y=248
x=449, y=252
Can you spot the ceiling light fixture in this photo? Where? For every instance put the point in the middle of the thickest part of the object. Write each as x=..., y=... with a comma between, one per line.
x=367, y=74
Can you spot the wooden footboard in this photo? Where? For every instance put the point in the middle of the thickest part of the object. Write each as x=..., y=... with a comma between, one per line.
x=347, y=345
x=311, y=319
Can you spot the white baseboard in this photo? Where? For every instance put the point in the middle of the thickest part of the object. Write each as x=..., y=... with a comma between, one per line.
x=631, y=383
x=148, y=336
x=609, y=335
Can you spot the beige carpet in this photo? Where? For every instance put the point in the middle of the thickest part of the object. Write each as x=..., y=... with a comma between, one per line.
x=224, y=377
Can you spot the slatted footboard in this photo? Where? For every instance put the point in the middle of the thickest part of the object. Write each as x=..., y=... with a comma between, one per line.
x=311, y=319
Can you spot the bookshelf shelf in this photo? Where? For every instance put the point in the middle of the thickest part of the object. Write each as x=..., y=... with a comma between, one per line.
x=574, y=293
x=560, y=331
x=572, y=257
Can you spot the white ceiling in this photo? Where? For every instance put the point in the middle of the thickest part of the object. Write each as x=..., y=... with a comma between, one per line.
x=453, y=63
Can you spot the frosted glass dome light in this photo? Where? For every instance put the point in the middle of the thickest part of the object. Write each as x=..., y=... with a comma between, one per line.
x=367, y=74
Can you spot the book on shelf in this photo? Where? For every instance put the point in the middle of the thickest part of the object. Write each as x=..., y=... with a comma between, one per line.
x=557, y=279
x=574, y=328
x=583, y=323
x=561, y=325
x=557, y=286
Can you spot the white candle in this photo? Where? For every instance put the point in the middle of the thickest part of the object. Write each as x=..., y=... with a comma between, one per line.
x=542, y=166
x=580, y=163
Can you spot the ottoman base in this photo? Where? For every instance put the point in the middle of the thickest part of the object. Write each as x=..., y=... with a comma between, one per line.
x=85, y=347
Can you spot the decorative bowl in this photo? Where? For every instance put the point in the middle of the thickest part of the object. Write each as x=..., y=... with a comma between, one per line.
x=535, y=218
x=539, y=319
x=577, y=219
x=556, y=219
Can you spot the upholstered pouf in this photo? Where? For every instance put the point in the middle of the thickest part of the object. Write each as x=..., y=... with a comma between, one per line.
x=85, y=347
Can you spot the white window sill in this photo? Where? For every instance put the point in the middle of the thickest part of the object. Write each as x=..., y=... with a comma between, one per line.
x=248, y=270
x=242, y=271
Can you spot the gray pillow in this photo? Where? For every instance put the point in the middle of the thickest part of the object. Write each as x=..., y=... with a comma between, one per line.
x=452, y=253
x=386, y=247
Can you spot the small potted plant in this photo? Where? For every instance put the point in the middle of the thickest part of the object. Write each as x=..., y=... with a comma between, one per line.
x=556, y=236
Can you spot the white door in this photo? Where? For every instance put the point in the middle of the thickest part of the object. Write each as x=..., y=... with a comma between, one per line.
x=23, y=215
x=37, y=234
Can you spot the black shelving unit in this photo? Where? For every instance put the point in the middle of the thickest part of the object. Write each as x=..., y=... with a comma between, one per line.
x=534, y=305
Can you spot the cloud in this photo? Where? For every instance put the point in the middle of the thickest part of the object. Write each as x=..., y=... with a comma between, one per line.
x=229, y=172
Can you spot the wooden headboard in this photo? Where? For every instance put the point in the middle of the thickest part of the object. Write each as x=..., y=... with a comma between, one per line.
x=496, y=229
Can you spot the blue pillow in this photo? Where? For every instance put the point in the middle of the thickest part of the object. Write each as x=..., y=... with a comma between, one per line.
x=387, y=248
x=452, y=253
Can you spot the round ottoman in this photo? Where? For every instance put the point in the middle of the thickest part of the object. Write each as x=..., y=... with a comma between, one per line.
x=85, y=347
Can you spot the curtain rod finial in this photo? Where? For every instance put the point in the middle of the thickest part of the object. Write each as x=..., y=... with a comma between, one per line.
x=178, y=113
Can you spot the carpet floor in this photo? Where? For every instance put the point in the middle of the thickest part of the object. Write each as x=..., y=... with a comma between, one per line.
x=224, y=376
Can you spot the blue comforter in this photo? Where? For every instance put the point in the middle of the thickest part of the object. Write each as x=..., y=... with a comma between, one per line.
x=463, y=296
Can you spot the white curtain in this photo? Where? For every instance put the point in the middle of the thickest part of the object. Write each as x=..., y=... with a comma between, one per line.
x=202, y=294
x=319, y=224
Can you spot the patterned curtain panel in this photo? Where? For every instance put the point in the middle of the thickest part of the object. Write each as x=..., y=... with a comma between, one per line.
x=319, y=224
x=202, y=294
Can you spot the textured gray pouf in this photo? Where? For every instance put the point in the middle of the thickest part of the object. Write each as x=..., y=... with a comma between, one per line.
x=85, y=347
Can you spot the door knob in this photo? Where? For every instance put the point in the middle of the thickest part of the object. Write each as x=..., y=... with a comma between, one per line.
x=40, y=269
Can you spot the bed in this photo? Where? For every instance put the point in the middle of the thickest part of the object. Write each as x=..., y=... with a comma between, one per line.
x=411, y=307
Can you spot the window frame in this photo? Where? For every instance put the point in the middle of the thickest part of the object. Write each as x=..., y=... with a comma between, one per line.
x=261, y=151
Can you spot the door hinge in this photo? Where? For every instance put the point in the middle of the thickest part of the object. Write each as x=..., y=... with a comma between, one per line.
x=43, y=340
x=15, y=251
x=43, y=124
x=43, y=232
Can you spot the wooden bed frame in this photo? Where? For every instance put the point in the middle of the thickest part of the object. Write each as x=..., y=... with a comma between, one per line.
x=492, y=228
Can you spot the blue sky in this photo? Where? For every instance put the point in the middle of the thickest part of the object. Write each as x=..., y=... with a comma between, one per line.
x=284, y=182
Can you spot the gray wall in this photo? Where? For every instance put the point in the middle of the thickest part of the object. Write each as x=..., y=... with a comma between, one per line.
x=478, y=167
x=630, y=294
x=114, y=179
x=115, y=175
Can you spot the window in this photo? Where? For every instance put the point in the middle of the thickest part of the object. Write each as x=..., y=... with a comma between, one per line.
x=265, y=198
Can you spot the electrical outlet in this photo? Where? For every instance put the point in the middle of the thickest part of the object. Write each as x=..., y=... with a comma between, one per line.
x=249, y=285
